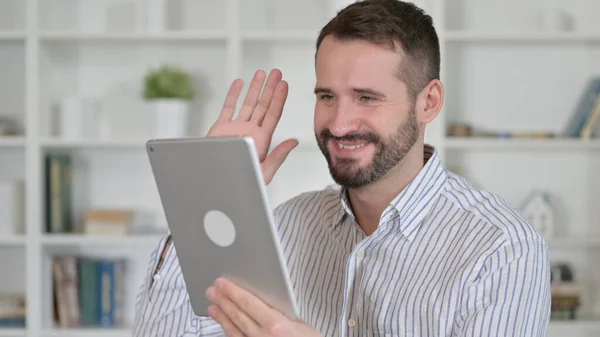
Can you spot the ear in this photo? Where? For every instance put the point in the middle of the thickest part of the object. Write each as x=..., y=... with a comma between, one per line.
x=431, y=100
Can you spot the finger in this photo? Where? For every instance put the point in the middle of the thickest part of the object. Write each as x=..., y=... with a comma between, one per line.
x=276, y=158
x=235, y=314
x=248, y=303
x=276, y=107
x=267, y=95
x=231, y=99
x=220, y=317
x=252, y=95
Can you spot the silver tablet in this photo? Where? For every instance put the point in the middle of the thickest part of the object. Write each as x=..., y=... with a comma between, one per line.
x=215, y=202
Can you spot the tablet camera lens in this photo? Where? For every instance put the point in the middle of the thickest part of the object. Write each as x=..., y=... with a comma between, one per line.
x=151, y=149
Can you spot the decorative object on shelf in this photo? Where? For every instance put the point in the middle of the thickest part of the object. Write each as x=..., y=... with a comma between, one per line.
x=14, y=311
x=529, y=134
x=560, y=273
x=566, y=293
x=156, y=16
x=9, y=127
x=108, y=222
x=460, y=130
x=169, y=90
x=122, y=16
x=81, y=118
x=12, y=207
x=555, y=19
x=538, y=209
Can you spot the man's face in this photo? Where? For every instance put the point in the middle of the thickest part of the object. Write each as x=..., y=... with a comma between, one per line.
x=365, y=123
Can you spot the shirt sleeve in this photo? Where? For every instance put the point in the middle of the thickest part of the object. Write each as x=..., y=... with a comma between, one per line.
x=511, y=294
x=162, y=305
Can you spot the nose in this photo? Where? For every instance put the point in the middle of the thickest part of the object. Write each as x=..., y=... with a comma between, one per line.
x=344, y=119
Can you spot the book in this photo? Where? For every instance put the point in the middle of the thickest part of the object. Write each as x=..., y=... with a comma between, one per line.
x=592, y=124
x=584, y=108
x=59, y=218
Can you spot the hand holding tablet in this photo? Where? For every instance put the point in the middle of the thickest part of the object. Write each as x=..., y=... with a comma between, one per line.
x=213, y=193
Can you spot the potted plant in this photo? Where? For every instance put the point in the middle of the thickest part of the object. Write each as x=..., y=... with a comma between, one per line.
x=169, y=90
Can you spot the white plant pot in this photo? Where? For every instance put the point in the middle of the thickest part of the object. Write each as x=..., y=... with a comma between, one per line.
x=81, y=118
x=171, y=117
x=156, y=17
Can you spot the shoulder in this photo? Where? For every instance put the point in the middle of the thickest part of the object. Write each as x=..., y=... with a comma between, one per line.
x=510, y=247
x=491, y=210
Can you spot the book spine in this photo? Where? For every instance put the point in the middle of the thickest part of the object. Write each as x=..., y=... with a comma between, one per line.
x=58, y=193
x=107, y=293
x=88, y=290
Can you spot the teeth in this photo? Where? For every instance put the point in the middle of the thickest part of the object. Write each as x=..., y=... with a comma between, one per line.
x=350, y=147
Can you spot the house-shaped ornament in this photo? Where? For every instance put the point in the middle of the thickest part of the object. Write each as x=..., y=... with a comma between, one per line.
x=537, y=208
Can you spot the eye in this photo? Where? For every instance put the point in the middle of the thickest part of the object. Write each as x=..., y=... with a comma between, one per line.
x=326, y=97
x=367, y=99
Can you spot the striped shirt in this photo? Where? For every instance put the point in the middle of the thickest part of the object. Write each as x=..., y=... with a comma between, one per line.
x=446, y=260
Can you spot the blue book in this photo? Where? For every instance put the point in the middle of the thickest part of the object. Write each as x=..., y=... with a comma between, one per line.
x=584, y=108
x=111, y=292
x=106, y=293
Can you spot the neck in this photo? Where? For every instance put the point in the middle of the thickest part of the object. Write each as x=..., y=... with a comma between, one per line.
x=369, y=202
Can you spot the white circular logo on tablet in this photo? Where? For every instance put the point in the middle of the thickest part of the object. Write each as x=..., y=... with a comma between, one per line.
x=219, y=228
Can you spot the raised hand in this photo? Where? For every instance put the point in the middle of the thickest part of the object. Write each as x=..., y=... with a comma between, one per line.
x=257, y=118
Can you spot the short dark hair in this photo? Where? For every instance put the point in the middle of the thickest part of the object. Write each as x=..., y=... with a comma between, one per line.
x=392, y=23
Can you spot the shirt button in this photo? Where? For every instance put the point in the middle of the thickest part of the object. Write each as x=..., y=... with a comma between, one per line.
x=360, y=253
x=351, y=323
x=157, y=277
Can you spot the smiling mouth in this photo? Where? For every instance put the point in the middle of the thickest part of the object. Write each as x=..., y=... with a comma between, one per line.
x=349, y=146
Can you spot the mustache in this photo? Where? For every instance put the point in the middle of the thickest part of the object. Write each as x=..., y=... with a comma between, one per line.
x=350, y=137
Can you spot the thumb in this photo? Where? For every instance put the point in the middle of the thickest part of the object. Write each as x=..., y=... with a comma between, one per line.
x=274, y=160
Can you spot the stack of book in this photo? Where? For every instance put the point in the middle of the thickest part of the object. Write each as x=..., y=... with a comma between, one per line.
x=108, y=222
x=88, y=292
x=60, y=215
x=12, y=311
x=566, y=300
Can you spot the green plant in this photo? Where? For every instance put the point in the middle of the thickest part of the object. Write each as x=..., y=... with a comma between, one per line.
x=168, y=81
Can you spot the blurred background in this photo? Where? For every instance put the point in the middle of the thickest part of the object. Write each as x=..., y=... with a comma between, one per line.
x=84, y=83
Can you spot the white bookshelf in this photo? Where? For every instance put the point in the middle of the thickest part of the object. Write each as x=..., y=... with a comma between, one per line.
x=501, y=71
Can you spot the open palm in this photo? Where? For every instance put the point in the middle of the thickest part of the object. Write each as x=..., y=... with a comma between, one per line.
x=257, y=118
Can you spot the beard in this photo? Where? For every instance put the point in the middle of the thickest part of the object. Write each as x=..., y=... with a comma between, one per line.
x=347, y=172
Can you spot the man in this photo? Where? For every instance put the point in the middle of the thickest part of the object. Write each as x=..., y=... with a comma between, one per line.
x=404, y=247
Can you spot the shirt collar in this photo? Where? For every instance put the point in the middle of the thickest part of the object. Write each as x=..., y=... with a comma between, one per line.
x=408, y=209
